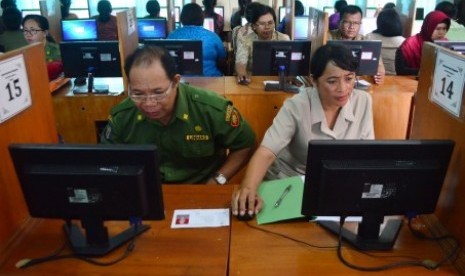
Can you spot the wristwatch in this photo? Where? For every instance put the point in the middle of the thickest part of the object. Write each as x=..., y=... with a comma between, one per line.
x=220, y=178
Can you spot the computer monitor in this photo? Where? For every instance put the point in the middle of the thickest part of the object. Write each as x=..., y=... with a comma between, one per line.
x=187, y=54
x=79, y=29
x=177, y=12
x=282, y=13
x=301, y=27
x=366, y=51
x=151, y=28
x=373, y=179
x=219, y=10
x=101, y=58
x=93, y=184
x=293, y=55
x=458, y=46
x=209, y=24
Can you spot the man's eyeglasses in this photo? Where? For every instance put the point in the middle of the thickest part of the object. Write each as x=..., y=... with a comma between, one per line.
x=158, y=97
x=351, y=23
x=265, y=24
x=31, y=32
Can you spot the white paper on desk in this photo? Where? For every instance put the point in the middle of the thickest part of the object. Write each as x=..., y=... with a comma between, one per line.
x=337, y=219
x=198, y=218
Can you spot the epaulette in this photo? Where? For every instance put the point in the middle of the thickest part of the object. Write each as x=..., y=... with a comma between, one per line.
x=207, y=97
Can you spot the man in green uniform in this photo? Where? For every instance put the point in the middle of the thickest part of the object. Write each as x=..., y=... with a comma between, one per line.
x=201, y=137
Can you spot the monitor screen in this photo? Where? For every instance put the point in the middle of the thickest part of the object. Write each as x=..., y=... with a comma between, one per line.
x=177, y=12
x=366, y=51
x=373, y=179
x=91, y=183
x=101, y=58
x=219, y=10
x=79, y=29
x=187, y=54
x=293, y=55
x=151, y=28
x=209, y=24
x=282, y=13
x=301, y=27
x=458, y=46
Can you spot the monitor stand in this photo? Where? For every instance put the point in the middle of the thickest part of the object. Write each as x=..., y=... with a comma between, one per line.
x=281, y=85
x=368, y=236
x=88, y=86
x=95, y=241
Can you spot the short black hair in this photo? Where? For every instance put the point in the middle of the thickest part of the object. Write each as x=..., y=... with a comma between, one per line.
x=8, y=3
x=104, y=7
x=388, y=23
x=339, y=5
x=261, y=10
x=249, y=10
x=448, y=8
x=351, y=9
x=12, y=18
x=153, y=7
x=337, y=53
x=299, y=8
x=389, y=5
x=41, y=21
x=148, y=54
x=192, y=14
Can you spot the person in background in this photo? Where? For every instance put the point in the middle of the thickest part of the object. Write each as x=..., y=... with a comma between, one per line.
x=456, y=31
x=240, y=32
x=65, y=14
x=106, y=22
x=349, y=27
x=4, y=4
x=153, y=9
x=263, y=19
x=200, y=136
x=36, y=29
x=192, y=28
x=331, y=109
x=461, y=12
x=12, y=38
x=299, y=10
x=236, y=17
x=389, y=31
x=334, y=18
x=408, y=55
x=210, y=12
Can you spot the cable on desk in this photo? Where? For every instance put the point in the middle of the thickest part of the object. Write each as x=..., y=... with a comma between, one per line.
x=288, y=237
x=428, y=264
x=25, y=263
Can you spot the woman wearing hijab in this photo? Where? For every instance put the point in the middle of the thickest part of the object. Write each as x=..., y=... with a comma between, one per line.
x=408, y=56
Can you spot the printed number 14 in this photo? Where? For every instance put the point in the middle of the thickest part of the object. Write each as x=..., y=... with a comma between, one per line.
x=449, y=88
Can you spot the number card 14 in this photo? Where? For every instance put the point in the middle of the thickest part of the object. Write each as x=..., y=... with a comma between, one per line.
x=448, y=82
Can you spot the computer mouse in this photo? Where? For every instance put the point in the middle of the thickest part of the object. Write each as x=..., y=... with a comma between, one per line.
x=80, y=81
x=246, y=216
x=244, y=81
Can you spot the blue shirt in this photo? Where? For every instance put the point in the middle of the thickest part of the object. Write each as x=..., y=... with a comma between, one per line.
x=212, y=47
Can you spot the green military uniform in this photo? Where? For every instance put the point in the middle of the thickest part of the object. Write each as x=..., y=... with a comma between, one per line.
x=192, y=147
x=52, y=52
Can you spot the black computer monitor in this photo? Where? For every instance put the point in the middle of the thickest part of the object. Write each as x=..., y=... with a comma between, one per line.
x=187, y=54
x=79, y=29
x=367, y=52
x=101, y=58
x=458, y=46
x=93, y=184
x=268, y=56
x=373, y=179
x=301, y=27
x=151, y=28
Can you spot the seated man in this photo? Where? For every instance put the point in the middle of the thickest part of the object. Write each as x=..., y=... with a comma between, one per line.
x=349, y=27
x=201, y=137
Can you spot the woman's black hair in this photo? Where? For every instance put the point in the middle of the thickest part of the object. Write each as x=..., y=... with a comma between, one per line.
x=337, y=53
x=42, y=22
x=104, y=9
x=339, y=5
x=64, y=6
x=153, y=8
x=299, y=8
x=388, y=23
x=148, y=54
x=261, y=10
x=192, y=14
x=209, y=6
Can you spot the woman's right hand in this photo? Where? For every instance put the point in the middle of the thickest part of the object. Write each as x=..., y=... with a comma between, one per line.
x=246, y=200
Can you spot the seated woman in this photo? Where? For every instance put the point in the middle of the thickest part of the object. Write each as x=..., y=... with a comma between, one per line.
x=408, y=55
x=36, y=29
x=331, y=109
x=107, y=27
x=12, y=38
x=192, y=28
x=210, y=12
x=236, y=17
x=389, y=31
x=263, y=21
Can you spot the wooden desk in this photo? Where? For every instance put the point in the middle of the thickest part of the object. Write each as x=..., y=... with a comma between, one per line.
x=159, y=251
x=254, y=252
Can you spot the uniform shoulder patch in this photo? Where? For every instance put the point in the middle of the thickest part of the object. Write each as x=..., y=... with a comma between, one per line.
x=232, y=116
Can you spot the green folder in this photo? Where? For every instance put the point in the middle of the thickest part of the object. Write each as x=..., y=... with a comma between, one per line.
x=291, y=201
